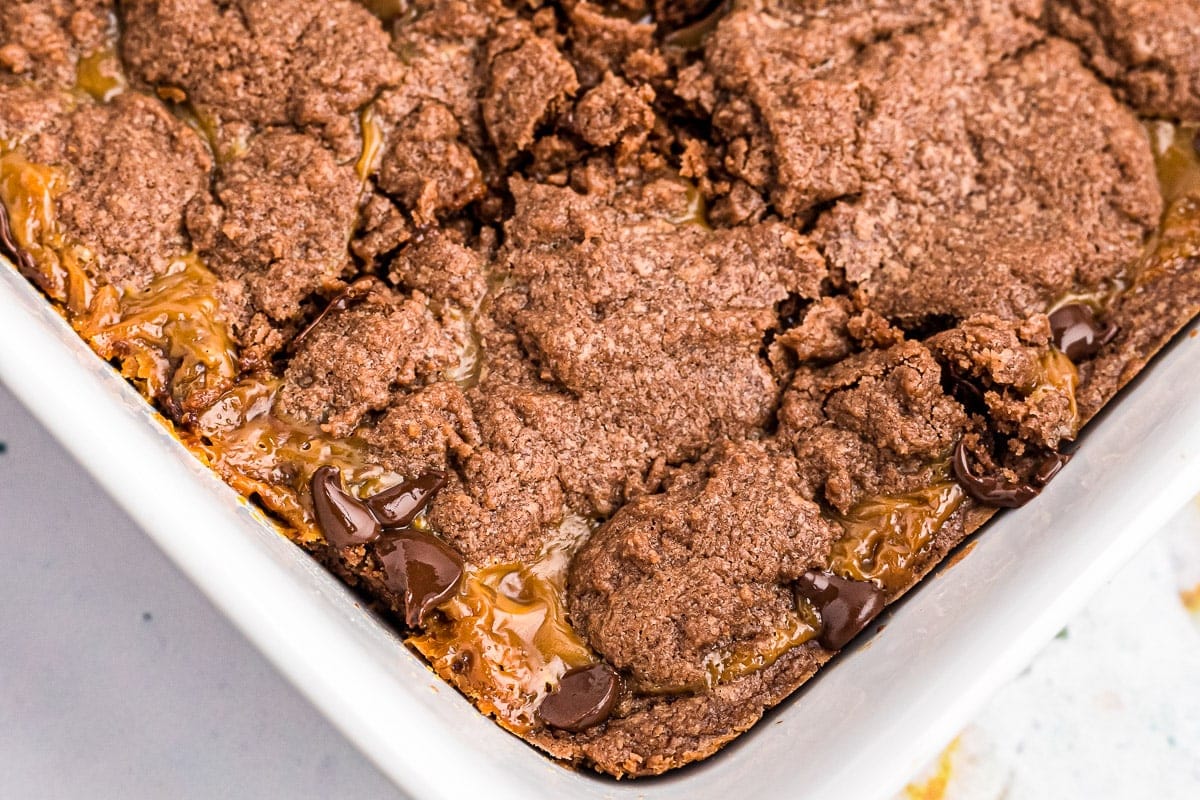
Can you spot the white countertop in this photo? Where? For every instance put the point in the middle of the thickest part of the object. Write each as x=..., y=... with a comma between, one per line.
x=119, y=680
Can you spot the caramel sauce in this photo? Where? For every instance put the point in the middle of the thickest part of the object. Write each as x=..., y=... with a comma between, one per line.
x=801, y=626
x=99, y=75
x=887, y=537
x=389, y=10
x=505, y=640
x=30, y=193
x=1099, y=298
x=261, y=453
x=170, y=338
x=696, y=212
x=372, y=146
x=1176, y=160
x=1178, y=165
x=467, y=372
x=1059, y=374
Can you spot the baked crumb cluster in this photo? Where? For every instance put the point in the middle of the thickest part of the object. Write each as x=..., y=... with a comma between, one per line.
x=630, y=357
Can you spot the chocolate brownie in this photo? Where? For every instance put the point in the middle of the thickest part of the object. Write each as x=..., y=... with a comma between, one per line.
x=628, y=357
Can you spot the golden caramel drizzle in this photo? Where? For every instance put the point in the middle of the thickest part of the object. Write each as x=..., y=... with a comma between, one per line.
x=372, y=146
x=802, y=626
x=1059, y=374
x=886, y=537
x=388, y=10
x=467, y=372
x=504, y=641
x=170, y=338
x=1176, y=160
x=696, y=210
x=1099, y=298
x=1178, y=163
x=29, y=193
x=99, y=74
x=260, y=453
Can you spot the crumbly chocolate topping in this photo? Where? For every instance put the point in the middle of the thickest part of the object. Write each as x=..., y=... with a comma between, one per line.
x=632, y=355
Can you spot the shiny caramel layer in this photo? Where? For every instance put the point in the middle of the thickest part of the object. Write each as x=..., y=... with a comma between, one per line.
x=886, y=537
x=505, y=640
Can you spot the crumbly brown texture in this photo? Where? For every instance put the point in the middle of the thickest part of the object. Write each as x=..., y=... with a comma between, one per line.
x=1145, y=47
x=257, y=63
x=710, y=289
x=133, y=169
x=278, y=220
x=42, y=41
x=705, y=567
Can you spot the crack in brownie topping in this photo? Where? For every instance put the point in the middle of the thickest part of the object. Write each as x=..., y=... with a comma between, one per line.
x=629, y=357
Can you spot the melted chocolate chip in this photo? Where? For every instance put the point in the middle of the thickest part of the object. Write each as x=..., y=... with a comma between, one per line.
x=1077, y=332
x=1050, y=466
x=9, y=247
x=964, y=390
x=341, y=516
x=423, y=569
x=584, y=697
x=845, y=606
x=398, y=506
x=986, y=489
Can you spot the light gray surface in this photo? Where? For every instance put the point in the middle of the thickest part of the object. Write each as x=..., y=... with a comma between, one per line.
x=117, y=678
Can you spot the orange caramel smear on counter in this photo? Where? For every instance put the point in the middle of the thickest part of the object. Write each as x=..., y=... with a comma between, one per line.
x=506, y=638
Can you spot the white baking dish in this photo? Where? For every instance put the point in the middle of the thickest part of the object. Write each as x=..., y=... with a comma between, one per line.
x=859, y=730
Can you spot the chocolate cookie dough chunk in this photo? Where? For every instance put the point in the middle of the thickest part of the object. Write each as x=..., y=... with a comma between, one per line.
x=1150, y=49
x=877, y=423
x=1027, y=390
x=128, y=171
x=529, y=82
x=279, y=219
x=355, y=356
x=43, y=41
x=252, y=64
x=651, y=323
x=1043, y=186
x=604, y=40
x=353, y=359
x=1021, y=180
x=677, y=587
x=506, y=499
x=434, y=158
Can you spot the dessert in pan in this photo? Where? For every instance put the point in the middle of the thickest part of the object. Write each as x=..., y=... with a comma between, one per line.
x=632, y=357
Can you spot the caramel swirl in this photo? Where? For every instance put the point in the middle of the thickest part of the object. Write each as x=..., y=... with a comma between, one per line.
x=505, y=640
x=887, y=537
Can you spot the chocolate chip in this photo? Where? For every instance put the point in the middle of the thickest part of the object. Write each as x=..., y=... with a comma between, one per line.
x=422, y=568
x=845, y=606
x=1077, y=332
x=398, y=506
x=964, y=390
x=986, y=489
x=341, y=516
x=584, y=697
x=1050, y=466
